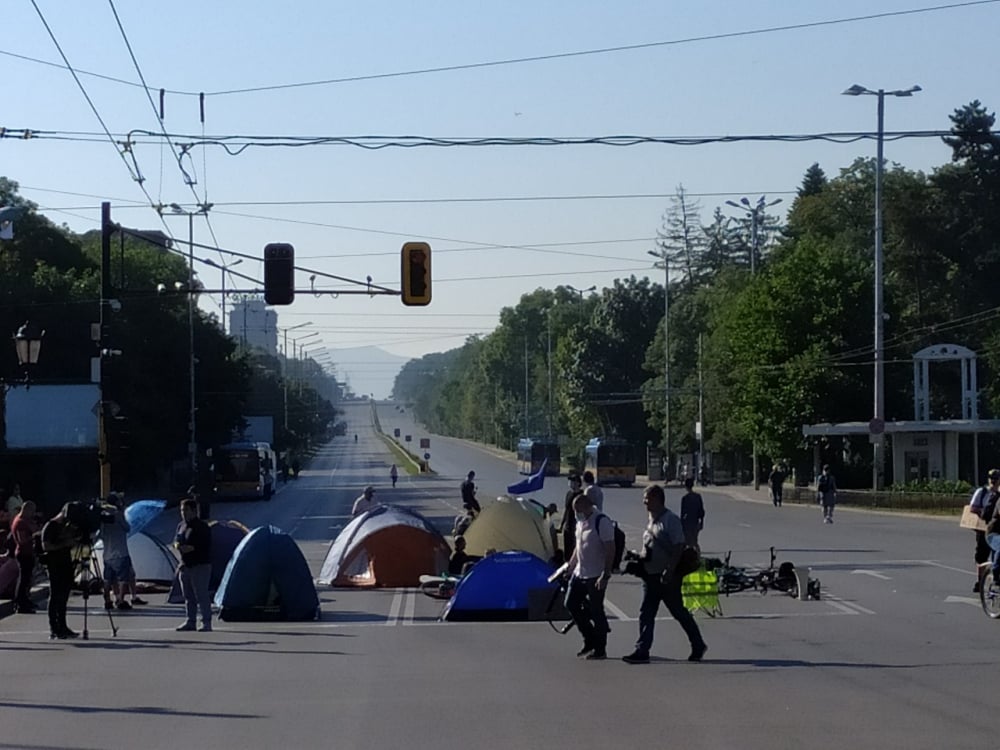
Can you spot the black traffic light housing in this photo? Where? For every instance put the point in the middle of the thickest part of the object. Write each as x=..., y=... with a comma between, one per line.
x=279, y=273
x=416, y=273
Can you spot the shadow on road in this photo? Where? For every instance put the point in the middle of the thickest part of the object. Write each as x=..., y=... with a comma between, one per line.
x=149, y=710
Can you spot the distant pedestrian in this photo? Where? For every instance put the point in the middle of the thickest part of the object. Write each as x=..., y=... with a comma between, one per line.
x=365, y=502
x=23, y=532
x=194, y=542
x=982, y=504
x=776, y=480
x=592, y=490
x=14, y=501
x=394, y=475
x=468, y=490
x=826, y=493
x=692, y=513
x=703, y=475
x=590, y=566
x=662, y=542
x=568, y=524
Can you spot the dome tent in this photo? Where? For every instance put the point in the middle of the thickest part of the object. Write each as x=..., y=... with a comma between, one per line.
x=226, y=537
x=152, y=560
x=509, y=524
x=496, y=589
x=386, y=546
x=267, y=579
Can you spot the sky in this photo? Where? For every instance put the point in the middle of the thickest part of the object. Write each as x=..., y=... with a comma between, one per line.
x=502, y=221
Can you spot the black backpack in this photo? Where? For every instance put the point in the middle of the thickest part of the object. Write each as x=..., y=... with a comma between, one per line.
x=823, y=484
x=619, y=539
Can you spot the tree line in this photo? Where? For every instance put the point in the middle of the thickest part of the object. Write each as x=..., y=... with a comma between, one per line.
x=766, y=353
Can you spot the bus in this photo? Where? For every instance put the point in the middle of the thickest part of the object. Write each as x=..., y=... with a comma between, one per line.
x=243, y=471
x=612, y=461
x=532, y=451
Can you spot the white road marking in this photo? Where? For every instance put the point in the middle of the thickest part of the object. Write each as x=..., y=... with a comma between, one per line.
x=397, y=603
x=411, y=603
x=617, y=611
x=947, y=567
x=841, y=606
x=836, y=601
x=871, y=573
x=963, y=600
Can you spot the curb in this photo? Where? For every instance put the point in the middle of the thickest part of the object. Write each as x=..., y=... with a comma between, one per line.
x=38, y=595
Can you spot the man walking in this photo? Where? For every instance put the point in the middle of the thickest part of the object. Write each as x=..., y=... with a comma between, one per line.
x=194, y=542
x=775, y=481
x=468, y=489
x=692, y=513
x=591, y=563
x=592, y=490
x=662, y=542
x=826, y=490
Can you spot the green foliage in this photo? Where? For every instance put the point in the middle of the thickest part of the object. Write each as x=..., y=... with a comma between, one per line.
x=934, y=486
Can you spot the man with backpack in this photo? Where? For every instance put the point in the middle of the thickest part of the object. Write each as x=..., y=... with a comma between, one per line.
x=590, y=566
x=983, y=504
x=826, y=493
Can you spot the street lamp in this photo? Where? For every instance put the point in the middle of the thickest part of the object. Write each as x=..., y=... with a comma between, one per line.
x=664, y=260
x=223, y=267
x=878, y=421
x=754, y=212
x=28, y=345
x=581, y=292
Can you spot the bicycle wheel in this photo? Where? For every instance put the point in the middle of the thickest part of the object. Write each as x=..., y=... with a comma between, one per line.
x=989, y=592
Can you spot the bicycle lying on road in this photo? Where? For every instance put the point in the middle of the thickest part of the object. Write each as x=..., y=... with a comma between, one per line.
x=784, y=578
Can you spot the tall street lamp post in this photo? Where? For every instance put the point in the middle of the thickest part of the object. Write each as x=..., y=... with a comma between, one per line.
x=223, y=267
x=665, y=262
x=581, y=292
x=877, y=424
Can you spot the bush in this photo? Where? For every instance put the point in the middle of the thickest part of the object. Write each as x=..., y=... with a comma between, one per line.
x=935, y=486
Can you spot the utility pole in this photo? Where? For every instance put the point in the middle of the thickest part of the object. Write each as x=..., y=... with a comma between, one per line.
x=548, y=320
x=103, y=447
x=701, y=411
x=525, y=387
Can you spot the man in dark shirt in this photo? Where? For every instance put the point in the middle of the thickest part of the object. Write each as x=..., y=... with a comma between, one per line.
x=692, y=513
x=58, y=539
x=568, y=525
x=194, y=542
x=460, y=558
x=469, y=501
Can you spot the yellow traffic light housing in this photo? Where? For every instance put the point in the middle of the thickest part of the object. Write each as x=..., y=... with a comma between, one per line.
x=416, y=273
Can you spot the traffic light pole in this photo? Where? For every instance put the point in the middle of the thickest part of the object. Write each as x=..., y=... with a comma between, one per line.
x=103, y=447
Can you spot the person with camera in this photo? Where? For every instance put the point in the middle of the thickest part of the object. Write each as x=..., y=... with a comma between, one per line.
x=663, y=543
x=194, y=542
x=591, y=564
x=59, y=536
x=118, y=572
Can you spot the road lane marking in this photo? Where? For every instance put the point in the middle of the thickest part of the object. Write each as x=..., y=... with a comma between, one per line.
x=963, y=600
x=617, y=611
x=411, y=603
x=871, y=573
x=836, y=601
x=947, y=567
x=397, y=602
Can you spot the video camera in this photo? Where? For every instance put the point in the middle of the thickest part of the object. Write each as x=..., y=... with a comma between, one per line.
x=86, y=517
x=634, y=564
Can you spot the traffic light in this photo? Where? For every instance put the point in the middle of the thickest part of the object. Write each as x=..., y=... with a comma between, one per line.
x=416, y=257
x=279, y=273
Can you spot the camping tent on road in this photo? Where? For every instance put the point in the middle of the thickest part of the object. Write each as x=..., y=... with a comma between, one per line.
x=152, y=560
x=267, y=579
x=385, y=546
x=509, y=524
x=226, y=537
x=497, y=588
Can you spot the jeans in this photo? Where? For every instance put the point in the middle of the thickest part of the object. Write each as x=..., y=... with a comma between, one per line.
x=60, y=583
x=585, y=604
x=993, y=540
x=194, y=585
x=655, y=591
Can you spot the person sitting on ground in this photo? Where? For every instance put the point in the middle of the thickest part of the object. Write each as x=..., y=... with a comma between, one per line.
x=469, y=501
x=365, y=502
x=460, y=558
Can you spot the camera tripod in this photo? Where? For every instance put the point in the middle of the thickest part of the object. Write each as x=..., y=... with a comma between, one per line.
x=90, y=566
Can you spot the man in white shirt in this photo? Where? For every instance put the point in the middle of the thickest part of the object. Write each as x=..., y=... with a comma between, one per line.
x=365, y=501
x=591, y=563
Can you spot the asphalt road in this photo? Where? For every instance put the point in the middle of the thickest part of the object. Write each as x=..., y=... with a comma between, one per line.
x=896, y=654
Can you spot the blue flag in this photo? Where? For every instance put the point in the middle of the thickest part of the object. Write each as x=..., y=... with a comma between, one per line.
x=532, y=484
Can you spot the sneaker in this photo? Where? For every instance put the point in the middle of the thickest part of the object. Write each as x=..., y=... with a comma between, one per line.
x=584, y=651
x=596, y=656
x=123, y=605
x=205, y=629
x=27, y=609
x=188, y=627
x=67, y=633
x=636, y=657
x=137, y=600
x=697, y=652
x=108, y=604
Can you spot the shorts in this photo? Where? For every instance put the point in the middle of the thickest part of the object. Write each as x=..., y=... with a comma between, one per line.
x=118, y=570
x=982, y=548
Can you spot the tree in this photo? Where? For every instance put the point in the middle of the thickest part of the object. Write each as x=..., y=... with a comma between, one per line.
x=681, y=239
x=814, y=181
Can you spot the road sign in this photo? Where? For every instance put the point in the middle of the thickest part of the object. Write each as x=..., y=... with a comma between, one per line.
x=876, y=426
x=427, y=457
x=407, y=438
x=395, y=432
x=425, y=442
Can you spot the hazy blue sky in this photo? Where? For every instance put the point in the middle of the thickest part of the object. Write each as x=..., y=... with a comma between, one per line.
x=486, y=253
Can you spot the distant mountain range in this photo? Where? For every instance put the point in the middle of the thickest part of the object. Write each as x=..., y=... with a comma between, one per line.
x=368, y=369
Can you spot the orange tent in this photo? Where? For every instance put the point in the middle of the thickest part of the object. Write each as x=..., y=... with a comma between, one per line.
x=386, y=546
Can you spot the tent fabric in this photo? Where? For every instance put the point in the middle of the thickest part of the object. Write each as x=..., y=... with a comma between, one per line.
x=496, y=589
x=386, y=546
x=226, y=537
x=509, y=524
x=9, y=572
x=141, y=513
x=267, y=578
x=152, y=560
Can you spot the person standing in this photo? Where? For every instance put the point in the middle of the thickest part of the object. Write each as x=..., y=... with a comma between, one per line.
x=592, y=490
x=662, y=542
x=568, y=524
x=14, y=501
x=393, y=475
x=117, y=561
x=692, y=513
x=468, y=489
x=58, y=539
x=590, y=563
x=826, y=491
x=365, y=502
x=984, y=499
x=776, y=480
x=23, y=530
x=194, y=542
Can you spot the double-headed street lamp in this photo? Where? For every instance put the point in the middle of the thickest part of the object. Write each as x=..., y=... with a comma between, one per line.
x=754, y=212
x=581, y=292
x=877, y=425
x=223, y=267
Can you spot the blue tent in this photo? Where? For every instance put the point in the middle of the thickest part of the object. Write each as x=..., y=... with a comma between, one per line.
x=497, y=588
x=267, y=579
